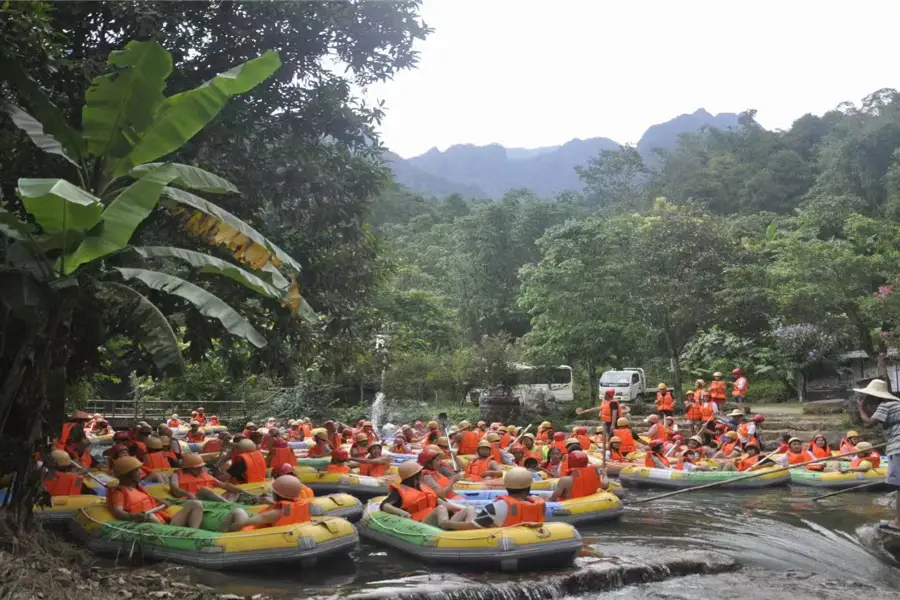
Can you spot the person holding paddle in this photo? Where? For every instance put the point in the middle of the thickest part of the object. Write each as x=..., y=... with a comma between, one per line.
x=888, y=415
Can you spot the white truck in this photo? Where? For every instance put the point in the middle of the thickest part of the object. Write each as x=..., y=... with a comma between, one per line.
x=630, y=384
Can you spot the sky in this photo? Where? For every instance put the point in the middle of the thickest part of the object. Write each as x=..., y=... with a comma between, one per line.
x=530, y=73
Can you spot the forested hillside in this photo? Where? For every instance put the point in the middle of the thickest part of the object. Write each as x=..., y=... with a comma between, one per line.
x=773, y=251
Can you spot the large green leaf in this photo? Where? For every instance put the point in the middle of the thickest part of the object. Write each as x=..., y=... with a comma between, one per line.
x=122, y=217
x=191, y=177
x=228, y=221
x=33, y=128
x=59, y=206
x=213, y=265
x=53, y=122
x=153, y=330
x=208, y=304
x=120, y=106
x=181, y=116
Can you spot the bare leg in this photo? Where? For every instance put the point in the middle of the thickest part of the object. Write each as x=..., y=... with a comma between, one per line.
x=190, y=515
x=233, y=522
x=208, y=494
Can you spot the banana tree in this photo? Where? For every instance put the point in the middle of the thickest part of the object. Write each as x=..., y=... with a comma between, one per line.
x=75, y=247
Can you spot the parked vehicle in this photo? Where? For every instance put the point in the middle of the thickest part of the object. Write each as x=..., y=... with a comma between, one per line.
x=629, y=383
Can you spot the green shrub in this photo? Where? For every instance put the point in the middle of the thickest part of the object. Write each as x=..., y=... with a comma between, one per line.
x=765, y=391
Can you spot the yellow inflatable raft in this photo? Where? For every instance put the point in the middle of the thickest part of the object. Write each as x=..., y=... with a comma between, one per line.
x=303, y=544
x=521, y=547
x=836, y=480
x=63, y=508
x=602, y=506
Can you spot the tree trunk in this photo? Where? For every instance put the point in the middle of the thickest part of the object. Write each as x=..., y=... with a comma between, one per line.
x=800, y=385
x=592, y=381
x=676, y=376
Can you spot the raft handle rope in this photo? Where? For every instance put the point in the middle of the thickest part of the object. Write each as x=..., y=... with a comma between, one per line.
x=493, y=535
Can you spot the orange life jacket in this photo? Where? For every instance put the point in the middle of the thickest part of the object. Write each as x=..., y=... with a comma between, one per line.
x=585, y=442
x=530, y=510
x=692, y=412
x=627, y=437
x=134, y=500
x=740, y=383
x=442, y=481
x=873, y=458
x=819, y=452
x=664, y=401
x=559, y=444
x=214, y=421
x=585, y=481
x=505, y=439
x=373, y=469
x=67, y=428
x=417, y=502
x=717, y=390
x=685, y=457
x=213, y=445
x=534, y=452
x=745, y=463
x=157, y=460
x=543, y=436
x=307, y=430
x=193, y=483
x=337, y=468
x=795, y=458
x=255, y=471
x=606, y=411
x=616, y=455
x=83, y=458
x=495, y=453
x=468, y=442
x=292, y=513
x=140, y=448
x=846, y=446
x=281, y=456
x=357, y=450
x=63, y=484
x=476, y=467
x=201, y=419
x=707, y=411
x=648, y=460
x=196, y=436
x=728, y=448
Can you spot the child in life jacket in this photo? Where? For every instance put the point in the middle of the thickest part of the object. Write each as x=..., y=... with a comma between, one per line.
x=797, y=454
x=534, y=467
x=195, y=435
x=615, y=450
x=436, y=475
x=412, y=499
x=289, y=508
x=62, y=478
x=517, y=506
x=865, y=460
x=655, y=459
x=553, y=464
x=483, y=466
x=194, y=482
x=580, y=479
x=848, y=444
x=128, y=501
x=374, y=464
x=819, y=446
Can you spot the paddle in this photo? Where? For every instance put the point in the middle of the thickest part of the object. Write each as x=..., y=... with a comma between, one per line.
x=763, y=460
x=852, y=489
x=452, y=453
x=745, y=477
x=521, y=435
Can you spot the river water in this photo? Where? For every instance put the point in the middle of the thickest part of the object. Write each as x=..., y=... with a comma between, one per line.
x=774, y=544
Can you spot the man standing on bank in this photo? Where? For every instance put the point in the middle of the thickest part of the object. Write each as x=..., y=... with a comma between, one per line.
x=888, y=416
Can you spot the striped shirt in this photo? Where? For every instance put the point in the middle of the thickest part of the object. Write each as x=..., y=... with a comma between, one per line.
x=888, y=414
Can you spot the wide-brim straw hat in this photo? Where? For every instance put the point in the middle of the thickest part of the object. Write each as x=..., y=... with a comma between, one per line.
x=877, y=388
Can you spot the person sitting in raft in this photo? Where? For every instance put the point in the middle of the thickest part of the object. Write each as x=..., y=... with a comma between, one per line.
x=819, y=447
x=797, y=454
x=249, y=428
x=400, y=446
x=865, y=460
x=444, y=444
x=690, y=459
x=247, y=463
x=280, y=453
x=534, y=467
x=614, y=452
x=195, y=435
x=437, y=476
x=61, y=478
x=730, y=446
x=101, y=427
x=79, y=449
x=571, y=446
x=374, y=464
x=193, y=481
x=320, y=447
x=531, y=450
x=559, y=441
x=155, y=460
x=201, y=416
x=140, y=434
x=78, y=421
x=580, y=479
x=510, y=436
x=599, y=437
x=466, y=440
x=628, y=440
x=671, y=426
x=518, y=453
x=553, y=465
x=220, y=443
x=545, y=432
x=483, y=466
x=493, y=438
x=848, y=444
x=784, y=442
x=431, y=435
x=414, y=500
x=517, y=506
x=128, y=501
x=340, y=462
x=289, y=508
x=654, y=459
x=174, y=422
x=751, y=459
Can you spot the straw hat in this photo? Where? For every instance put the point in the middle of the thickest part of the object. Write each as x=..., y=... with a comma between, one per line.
x=736, y=413
x=877, y=388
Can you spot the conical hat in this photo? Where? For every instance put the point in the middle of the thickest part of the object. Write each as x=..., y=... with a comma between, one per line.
x=877, y=388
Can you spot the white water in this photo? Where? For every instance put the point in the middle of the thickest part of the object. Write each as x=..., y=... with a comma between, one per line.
x=377, y=410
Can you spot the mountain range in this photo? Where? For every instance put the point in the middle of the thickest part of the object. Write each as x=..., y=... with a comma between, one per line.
x=490, y=171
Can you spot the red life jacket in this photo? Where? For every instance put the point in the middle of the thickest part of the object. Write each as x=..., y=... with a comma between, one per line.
x=196, y=436
x=67, y=428
x=83, y=458
x=585, y=481
x=255, y=471
x=63, y=484
x=585, y=442
x=213, y=445
x=476, y=467
x=468, y=442
x=193, y=483
x=200, y=419
x=627, y=437
x=417, y=502
x=616, y=455
x=530, y=510
x=281, y=456
x=373, y=469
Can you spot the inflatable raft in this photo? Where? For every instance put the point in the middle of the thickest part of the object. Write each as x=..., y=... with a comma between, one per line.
x=544, y=484
x=507, y=548
x=360, y=486
x=303, y=544
x=836, y=480
x=61, y=508
x=602, y=506
x=673, y=479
